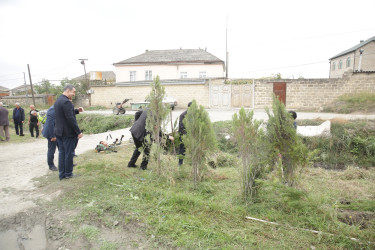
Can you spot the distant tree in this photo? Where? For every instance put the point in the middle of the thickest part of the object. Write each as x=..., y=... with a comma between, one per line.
x=272, y=77
x=80, y=88
x=155, y=117
x=199, y=140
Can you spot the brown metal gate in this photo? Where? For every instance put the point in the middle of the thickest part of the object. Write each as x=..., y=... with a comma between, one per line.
x=279, y=89
x=50, y=100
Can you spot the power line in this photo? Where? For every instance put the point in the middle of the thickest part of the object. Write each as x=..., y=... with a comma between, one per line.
x=284, y=67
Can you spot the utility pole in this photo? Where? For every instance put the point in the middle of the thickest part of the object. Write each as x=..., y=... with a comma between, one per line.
x=87, y=81
x=226, y=51
x=31, y=84
x=24, y=79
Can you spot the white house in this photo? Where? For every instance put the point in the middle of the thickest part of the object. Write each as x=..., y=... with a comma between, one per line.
x=169, y=65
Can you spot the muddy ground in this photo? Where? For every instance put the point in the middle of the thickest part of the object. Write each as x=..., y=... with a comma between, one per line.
x=26, y=222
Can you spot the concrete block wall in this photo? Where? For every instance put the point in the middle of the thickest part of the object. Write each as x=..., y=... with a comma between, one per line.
x=107, y=96
x=312, y=94
x=24, y=101
x=301, y=94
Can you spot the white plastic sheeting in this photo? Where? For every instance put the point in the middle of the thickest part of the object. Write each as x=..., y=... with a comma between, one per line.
x=323, y=129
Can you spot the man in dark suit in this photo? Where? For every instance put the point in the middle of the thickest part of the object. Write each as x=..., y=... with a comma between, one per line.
x=49, y=133
x=67, y=131
x=138, y=131
x=182, y=131
x=18, y=118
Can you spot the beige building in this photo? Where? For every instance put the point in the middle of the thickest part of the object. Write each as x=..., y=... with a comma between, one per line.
x=169, y=65
x=360, y=58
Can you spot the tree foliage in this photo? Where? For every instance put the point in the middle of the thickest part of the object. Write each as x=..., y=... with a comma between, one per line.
x=252, y=149
x=199, y=140
x=46, y=87
x=286, y=147
x=157, y=112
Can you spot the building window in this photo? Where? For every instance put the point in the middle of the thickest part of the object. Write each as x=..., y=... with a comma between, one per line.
x=148, y=75
x=133, y=76
x=202, y=74
x=340, y=64
x=333, y=66
x=183, y=75
x=348, y=62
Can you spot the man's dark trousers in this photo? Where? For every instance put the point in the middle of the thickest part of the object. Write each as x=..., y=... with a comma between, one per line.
x=51, y=153
x=66, y=148
x=181, y=153
x=136, y=153
x=16, y=124
x=32, y=126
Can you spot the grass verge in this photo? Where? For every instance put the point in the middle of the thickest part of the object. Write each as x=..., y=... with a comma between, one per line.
x=171, y=214
x=360, y=102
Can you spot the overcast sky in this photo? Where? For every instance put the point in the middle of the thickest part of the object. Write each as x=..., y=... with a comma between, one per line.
x=294, y=38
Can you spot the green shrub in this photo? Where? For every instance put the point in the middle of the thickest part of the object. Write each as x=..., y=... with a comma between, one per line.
x=351, y=142
x=286, y=148
x=225, y=137
x=94, y=124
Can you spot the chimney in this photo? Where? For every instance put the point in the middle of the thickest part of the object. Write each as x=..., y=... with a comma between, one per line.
x=360, y=59
x=361, y=41
x=146, y=51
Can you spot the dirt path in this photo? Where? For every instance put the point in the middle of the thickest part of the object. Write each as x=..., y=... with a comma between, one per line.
x=21, y=163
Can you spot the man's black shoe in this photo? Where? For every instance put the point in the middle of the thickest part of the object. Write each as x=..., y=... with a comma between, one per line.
x=132, y=166
x=75, y=155
x=143, y=168
x=72, y=176
x=74, y=165
x=22, y=135
x=53, y=168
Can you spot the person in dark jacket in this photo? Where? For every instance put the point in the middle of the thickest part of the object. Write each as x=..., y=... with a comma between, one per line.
x=138, y=114
x=33, y=121
x=182, y=131
x=18, y=118
x=66, y=131
x=49, y=133
x=4, y=123
x=139, y=132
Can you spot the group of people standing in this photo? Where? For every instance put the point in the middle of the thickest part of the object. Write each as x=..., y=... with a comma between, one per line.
x=62, y=131
x=18, y=118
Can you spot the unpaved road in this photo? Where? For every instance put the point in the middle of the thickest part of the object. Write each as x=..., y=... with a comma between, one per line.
x=20, y=163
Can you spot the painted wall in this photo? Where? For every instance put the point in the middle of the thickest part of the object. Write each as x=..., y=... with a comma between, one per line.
x=168, y=71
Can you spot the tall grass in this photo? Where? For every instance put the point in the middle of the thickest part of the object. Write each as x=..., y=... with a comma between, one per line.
x=213, y=215
x=360, y=102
